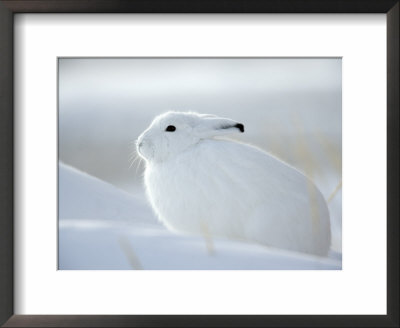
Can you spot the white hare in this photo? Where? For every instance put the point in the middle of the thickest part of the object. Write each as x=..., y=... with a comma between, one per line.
x=196, y=182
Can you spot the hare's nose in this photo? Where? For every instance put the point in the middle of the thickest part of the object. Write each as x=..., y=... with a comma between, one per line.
x=140, y=144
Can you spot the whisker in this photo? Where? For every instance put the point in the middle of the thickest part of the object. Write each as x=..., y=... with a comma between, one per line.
x=134, y=160
x=138, y=164
x=133, y=156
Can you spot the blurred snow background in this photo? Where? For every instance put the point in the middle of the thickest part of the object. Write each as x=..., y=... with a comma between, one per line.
x=290, y=107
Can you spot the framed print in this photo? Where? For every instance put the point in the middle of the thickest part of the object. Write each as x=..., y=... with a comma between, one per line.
x=162, y=165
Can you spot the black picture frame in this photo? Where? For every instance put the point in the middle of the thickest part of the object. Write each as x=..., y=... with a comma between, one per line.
x=10, y=7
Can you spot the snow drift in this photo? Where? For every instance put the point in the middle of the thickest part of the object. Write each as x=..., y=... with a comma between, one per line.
x=104, y=228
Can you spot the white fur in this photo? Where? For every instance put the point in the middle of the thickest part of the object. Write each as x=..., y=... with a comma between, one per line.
x=198, y=183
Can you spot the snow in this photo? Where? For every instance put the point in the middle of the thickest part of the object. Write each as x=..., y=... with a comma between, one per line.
x=104, y=228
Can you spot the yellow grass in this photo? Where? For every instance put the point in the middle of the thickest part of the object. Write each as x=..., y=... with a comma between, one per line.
x=333, y=194
x=309, y=167
x=208, y=239
x=130, y=253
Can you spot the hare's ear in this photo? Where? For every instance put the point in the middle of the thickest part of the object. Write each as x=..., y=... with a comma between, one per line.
x=211, y=126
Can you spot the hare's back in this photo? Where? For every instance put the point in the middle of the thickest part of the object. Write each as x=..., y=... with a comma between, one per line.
x=281, y=202
x=251, y=168
x=259, y=180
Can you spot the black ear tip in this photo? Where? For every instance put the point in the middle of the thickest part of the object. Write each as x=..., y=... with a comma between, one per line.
x=240, y=126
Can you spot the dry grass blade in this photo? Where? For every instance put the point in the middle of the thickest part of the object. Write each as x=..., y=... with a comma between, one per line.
x=333, y=194
x=332, y=152
x=306, y=159
x=275, y=145
x=130, y=253
x=208, y=239
x=334, y=156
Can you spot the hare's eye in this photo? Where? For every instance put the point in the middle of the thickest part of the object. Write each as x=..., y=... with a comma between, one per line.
x=170, y=128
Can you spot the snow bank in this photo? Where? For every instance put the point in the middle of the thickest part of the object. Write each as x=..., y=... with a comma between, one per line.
x=82, y=196
x=102, y=227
